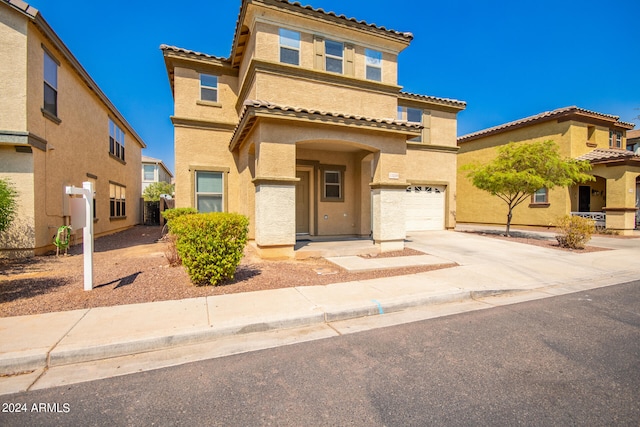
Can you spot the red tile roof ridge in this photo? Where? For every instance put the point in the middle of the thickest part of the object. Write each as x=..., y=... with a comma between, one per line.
x=271, y=106
x=191, y=52
x=540, y=116
x=435, y=98
x=607, y=153
x=404, y=34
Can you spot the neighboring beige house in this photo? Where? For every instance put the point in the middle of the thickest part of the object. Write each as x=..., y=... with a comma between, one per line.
x=305, y=130
x=57, y=129
x=580, y=134
x=154, y=170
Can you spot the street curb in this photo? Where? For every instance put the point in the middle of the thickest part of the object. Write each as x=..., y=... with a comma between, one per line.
x=62, y=356
x=13, y=363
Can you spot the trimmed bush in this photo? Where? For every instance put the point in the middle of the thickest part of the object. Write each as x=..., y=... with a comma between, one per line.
x=574, y=231
x=171, y=214
x=210, y=245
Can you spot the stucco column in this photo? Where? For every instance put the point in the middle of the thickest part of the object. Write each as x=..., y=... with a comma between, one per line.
x=621, y=203
x=275, y=217
x=387, y=206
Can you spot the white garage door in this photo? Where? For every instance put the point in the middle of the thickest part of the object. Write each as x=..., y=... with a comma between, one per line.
x=425, y=207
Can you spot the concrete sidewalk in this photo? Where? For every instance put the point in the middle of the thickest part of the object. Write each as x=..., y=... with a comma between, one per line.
x=487, y=269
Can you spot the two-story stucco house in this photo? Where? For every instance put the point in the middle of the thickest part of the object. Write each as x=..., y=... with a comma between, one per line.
x=580, y=134
x=154, y=170
x=58, y=129
x=305, y=130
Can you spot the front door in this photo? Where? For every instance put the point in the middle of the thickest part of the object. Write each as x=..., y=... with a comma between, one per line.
x=584, y=199
x=302, y=203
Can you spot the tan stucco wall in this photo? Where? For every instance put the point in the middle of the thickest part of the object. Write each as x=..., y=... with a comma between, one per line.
x=266, y=26
x=323, y=96
x=574, y=139
x=17, y=168
x=187, y=102
x=474, y=205
x=13, y=84
x=76, y=147
x=203, y=150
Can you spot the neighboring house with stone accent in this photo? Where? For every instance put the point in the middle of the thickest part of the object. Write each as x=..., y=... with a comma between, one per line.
x=57, y=129
x=580, y=134
x=305, y=130
x=154, y=170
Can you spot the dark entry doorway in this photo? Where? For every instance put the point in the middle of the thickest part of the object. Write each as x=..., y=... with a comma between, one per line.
x=584, y=199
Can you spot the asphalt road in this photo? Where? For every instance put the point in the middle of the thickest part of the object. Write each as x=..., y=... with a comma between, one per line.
x=570, y=360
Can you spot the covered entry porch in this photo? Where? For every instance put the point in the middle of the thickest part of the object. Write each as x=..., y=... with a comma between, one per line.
x=611, y=200
x=319, y=174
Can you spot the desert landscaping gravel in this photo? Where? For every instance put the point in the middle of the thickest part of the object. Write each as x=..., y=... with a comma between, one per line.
x=131, y=267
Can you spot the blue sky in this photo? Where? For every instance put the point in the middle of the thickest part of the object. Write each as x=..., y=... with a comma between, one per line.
x=506, y=59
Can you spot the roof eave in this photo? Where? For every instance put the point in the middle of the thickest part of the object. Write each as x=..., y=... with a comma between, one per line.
x=297, y=8
x=50, y=34
x=561, y=114
x=253, y=110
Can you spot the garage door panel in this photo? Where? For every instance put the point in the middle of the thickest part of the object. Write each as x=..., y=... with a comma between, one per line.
x=424, y=208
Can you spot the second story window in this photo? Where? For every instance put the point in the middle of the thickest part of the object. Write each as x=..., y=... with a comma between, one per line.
x=334, y=52
x=116, y=140
x=289, y=47
x=374, y=64
x=412, y=115
x=149, y=173
x=50, y=85
x=208, y=88
x=615, y=139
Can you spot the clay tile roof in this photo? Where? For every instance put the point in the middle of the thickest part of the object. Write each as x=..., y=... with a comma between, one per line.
x=271, y=106
x=258, y=104
x=406, y=35
x=23, y=6
x=547, y=115
x=445, y=101
x=176, y=49
x=600, y=154
x=633, y=134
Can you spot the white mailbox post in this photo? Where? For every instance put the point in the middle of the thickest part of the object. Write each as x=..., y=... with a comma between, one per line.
x=87, y=234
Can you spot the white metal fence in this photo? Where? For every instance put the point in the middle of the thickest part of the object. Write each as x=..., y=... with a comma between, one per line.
x=600, y=218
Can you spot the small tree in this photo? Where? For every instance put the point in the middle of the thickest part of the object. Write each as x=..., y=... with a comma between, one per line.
x=153, y=191
x=522, y=169
x=8, y=204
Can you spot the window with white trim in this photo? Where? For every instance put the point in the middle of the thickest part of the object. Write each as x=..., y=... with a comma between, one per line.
x=116, y=140
x=615, y=139
x=334, y=53
x=209, y=191
x=149, y=173
x=289, y=46
x=208, y=88
x=540, y=196
x=117, y=201
x=373, y=61
x=50, y=85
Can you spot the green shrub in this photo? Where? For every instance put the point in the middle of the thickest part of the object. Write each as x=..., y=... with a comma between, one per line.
x=8, y=204
x=171, y=214
x=574, y=231
x=210, y=245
